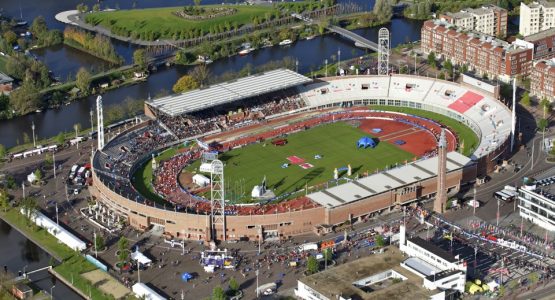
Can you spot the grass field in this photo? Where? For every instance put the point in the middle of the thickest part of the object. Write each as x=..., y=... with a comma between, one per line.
x=164, y=24
x=336, y=143
x=464, y=133
x=3, y=61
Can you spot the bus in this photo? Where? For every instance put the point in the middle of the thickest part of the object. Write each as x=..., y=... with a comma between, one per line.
x=503, y=196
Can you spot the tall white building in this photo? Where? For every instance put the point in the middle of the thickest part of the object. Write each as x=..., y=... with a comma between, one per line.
x=488, y=19
x=536, y=16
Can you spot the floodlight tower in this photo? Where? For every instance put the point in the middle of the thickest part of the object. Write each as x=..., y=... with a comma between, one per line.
x=217, y=196
x=383, y=51
x=100, y=122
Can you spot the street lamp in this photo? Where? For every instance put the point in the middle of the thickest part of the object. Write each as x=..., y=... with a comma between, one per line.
x=257, y=292
x=33, y=128
x=415, y=70
x=339, y=61
x=326, y=63
x=51, y=291
x=497, y=213
x=297, y=65
x=92, y=124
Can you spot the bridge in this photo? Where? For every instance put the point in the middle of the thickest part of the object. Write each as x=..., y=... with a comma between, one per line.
x=359, y=41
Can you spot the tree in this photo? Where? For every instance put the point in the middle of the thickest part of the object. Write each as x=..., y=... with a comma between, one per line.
x=38, y=175
x=3, y=151
x=533, y=277
x=4, y=200
x=96, y=7
x=542, y=124
x=448, y=65
x=312, y=265
x=82, y=8
x=328, y=255
x=25, y=99
x=233, y=285
x=39, y=27
x=28, y=206
x=525, y=100
x=218, y=293
x=140, y=58
x=545, y=105
x=432, y=59
x=83, y=80
x=26, y=139
x=380, y=242
x=10, y=37
x=200, y=74
x=185, y=83
x=123, y=253
x=404, y=69
x=99, y=242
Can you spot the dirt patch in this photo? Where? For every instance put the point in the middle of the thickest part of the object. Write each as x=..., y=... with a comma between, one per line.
x=107, y=284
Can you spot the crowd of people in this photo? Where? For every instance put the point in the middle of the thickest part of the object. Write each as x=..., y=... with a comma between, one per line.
x=167, y=173
x=233, y=115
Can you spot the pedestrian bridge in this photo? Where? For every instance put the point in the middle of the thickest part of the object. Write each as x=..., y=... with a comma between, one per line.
x=359, y=41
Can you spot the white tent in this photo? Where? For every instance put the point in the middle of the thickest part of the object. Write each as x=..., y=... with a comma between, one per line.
x=201, y=180
x=141, y=289
x=473, y=203
x=57, y=231
x=31, y=177
x=141, y=258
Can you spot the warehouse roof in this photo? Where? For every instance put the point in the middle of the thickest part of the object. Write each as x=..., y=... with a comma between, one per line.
x=226, y=92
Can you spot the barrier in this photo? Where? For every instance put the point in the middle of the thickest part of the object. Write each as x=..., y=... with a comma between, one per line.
x=96, y=262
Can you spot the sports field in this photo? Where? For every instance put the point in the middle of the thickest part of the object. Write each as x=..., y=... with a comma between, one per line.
x=335, y=143
x=153, y=23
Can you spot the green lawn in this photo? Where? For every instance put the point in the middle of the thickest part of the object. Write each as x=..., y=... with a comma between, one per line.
x=463, y=132
x=164, y=24
x=336, y=143
x=3, y=61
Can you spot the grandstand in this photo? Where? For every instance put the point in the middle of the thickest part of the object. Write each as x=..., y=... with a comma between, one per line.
x=225, y=109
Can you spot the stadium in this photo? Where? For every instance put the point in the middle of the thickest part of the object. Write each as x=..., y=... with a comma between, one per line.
x=298, y=155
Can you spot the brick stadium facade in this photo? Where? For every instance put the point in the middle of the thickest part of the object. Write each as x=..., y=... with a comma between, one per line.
x=196, y=226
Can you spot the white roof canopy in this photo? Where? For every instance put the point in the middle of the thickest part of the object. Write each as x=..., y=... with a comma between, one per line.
x=227, y=92
x=405, y=175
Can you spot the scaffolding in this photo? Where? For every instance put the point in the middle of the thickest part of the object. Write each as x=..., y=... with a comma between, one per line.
x=383, y=51
x=217, y=199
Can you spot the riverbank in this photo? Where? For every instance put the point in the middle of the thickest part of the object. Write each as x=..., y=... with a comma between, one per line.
x=71, y=263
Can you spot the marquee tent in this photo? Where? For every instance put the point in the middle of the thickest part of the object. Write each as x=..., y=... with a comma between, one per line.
x=365, y=142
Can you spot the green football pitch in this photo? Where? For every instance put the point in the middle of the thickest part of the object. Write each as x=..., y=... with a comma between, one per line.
x=335, y=143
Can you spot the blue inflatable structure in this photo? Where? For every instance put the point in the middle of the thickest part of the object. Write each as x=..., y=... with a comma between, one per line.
x=366, y=142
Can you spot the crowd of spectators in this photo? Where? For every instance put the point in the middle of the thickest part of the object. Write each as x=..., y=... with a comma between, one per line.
x=167, y=174
x=237, y=114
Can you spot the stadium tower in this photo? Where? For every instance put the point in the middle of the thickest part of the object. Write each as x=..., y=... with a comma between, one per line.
x=441, y=194
x=217, y=196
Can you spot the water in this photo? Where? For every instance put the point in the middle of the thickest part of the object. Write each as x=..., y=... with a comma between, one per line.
x=65, y=62
x=16, y=252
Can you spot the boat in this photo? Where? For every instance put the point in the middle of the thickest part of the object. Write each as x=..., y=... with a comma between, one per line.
x=308, y=38
x=245, y=51
x=38, y=111
x=285, y=42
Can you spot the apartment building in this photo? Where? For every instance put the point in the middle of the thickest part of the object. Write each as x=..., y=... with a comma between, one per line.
x=482, y=53
x=542, y=79
x=536, y=16
x=488, y=19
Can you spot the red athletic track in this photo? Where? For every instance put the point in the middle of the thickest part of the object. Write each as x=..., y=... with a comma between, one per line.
x=418, y=141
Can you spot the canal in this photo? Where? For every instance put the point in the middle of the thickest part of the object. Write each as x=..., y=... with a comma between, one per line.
x=18, y=253
x=65, y=62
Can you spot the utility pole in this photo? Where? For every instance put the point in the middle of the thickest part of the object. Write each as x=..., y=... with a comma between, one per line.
x=94, y=241
x=497, y=213
x=34, y=140
x=23, y=187
x=58, y=223
x=475, y=202
x=339, y=61
x=54, y=163
x=257, y=293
